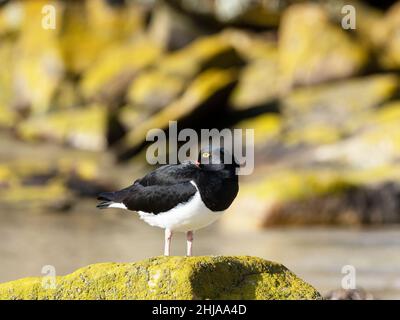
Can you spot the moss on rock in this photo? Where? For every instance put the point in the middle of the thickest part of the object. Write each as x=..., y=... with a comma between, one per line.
x=154, y=90
x=312, y=49
x=116, y=65
x=388, y=38
x=82, y=128
x=327, y=113
x=207, y=277
x=207, y=84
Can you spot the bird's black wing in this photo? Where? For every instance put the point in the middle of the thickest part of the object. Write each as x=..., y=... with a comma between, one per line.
x=170, y=175
x=155, y=199
x=158, y=191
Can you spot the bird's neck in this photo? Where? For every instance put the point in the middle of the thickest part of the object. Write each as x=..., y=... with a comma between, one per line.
x=218, y=189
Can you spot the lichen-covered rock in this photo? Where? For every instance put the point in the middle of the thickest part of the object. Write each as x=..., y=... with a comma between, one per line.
x=326, y=113
x=206, y=85
x=83, y=128
x=38, y=68
x=215, y=51
x=320, y=196
x=116, y=66
x=11, y=17
x=259, y=83
x=46, y=183
x=312, y=49
x=89, y=27
x=267, y=128
x=7, y=116
x=205, y=277
x=389, y=38
x=251, y=46
x=259, y=80
x=349, y=294
x=256, y=13
x=263, y=197
x=153, y=90
x=379, y=135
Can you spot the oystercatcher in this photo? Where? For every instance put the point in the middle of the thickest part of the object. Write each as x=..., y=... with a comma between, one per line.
x=183, y=197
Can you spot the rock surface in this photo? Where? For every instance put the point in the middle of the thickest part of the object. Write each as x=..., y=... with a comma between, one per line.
x=207, y=277
x=313, y=50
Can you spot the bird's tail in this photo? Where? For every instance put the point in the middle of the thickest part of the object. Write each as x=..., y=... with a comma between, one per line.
x=104, y=204
x=110, y=200
x=106, y=200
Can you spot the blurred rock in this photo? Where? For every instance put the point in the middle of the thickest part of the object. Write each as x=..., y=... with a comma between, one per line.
x=390, y=38
x=368, y=20
x=259, y=83
x=38, y=66
x=261, y=198
x=7, y=116
x=115, y=68
x=327, y=113
x=199, y=94
x=90, y=27
x=378, y=135
x=49, y=185
x=256, y=14
x=34, y=197
x=154, y=90
x=322, y=194
x=67, y=95
x=215, y=51
x=250, y=45
x=11, y=17
x=349, y=294
x=267, y=128
x=159, y=86
x=362, y=205
x=311, y=49
x=30, y=185
x=83, y=128
x=173, y=29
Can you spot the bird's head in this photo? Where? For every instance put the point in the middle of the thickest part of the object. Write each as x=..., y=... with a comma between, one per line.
x=216, y=160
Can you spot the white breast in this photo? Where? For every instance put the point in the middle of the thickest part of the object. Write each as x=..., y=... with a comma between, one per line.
x=192, y=215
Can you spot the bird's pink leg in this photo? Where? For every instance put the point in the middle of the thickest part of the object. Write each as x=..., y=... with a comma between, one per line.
x=167, y=245
x=189, y=242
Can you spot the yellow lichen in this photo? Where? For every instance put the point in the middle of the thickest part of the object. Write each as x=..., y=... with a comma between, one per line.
x=287, y=185
x=91, y=27
x=314, y=133
x=188, y=61
x=116, y=60
x=82, y=128
x=154, y=89
x=39, y=68
x=311, y=49
x=205, y=277
x=353, y=95
x=266, y=127
x=202, y=87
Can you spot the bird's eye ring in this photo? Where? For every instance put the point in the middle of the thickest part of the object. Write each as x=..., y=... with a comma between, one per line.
x=206, y=155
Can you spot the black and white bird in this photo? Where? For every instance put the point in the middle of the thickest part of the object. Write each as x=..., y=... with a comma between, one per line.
x=183, y=197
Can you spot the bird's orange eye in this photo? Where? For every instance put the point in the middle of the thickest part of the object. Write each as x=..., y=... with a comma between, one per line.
x=205, y=155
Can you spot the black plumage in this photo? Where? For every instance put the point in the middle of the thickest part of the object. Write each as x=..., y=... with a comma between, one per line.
x=170, y=185
x=183, y=197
